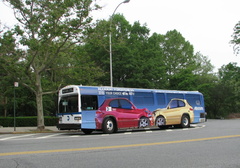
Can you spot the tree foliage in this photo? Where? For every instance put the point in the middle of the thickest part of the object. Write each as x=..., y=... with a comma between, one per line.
x=236, y=38
x=140, y=60
x=55, y=45
x=47, y=30
x=9, y=59
x=230, y=79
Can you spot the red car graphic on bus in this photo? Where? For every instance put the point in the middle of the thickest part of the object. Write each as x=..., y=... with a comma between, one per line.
x=118, y=113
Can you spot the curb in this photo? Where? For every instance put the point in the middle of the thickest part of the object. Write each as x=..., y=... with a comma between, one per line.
x=29, y=132
x=36, y=132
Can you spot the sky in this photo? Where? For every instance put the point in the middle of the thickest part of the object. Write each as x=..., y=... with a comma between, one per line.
x=206, y=24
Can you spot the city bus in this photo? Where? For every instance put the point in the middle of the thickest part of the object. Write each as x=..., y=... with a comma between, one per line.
x=77, y=105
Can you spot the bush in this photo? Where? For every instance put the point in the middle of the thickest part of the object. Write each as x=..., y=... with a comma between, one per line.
x=26, y=121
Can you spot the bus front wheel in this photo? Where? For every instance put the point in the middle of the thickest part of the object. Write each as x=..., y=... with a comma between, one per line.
x=87, y=131
x=108, y=126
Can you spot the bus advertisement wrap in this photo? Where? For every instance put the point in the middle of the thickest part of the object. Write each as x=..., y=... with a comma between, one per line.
x=81, y=107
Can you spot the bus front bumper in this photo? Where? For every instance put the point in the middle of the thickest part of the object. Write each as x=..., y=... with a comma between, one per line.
x=69, y=126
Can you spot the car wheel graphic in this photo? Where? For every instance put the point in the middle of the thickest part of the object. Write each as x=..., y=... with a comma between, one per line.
x=143, y=122
x=185, y=121
x=108, y=126
x=160, y=121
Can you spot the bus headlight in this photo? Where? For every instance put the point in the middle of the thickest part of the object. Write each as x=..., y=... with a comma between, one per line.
x=60, y=119
x=77, y=118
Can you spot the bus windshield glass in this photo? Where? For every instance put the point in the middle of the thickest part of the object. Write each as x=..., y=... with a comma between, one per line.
x=68, y=104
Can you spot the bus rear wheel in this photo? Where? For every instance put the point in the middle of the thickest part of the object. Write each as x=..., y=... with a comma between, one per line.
x=108, y=126
x=185, y=121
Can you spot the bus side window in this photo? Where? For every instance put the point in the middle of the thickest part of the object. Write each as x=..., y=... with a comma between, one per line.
x=89, y=102
x=194, y=100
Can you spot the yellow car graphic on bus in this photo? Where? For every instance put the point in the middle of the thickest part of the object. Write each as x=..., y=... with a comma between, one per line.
x=178, y=112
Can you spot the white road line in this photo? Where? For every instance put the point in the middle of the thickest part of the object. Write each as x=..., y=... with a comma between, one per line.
x=168, y=130
x=127, y=132
x=48, y=136
x=13, y=137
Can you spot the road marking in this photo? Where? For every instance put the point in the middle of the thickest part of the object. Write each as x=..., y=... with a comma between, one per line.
x=13, y=137
x=169, y=130
x=119, y=146
x=48, y=136
x=127, y=133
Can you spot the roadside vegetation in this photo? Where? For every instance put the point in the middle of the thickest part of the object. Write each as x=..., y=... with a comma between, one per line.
x=55, y=44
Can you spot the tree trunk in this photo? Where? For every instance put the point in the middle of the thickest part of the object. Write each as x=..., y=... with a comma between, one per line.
x=40, y=115
x=5, y=108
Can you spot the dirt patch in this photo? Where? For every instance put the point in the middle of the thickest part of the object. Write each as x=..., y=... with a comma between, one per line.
x=233, y=115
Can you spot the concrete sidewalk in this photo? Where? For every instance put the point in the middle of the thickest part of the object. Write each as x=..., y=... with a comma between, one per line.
x=18, y=130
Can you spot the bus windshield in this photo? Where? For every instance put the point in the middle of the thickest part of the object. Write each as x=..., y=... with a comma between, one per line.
x=68, y=104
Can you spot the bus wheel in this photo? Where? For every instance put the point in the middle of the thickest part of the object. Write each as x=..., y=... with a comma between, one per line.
x=143, y=122
x=185, y=121
x=160, y=121
x=108, y=126
x=87, y=131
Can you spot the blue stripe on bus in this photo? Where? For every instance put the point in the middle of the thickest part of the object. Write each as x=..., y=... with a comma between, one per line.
x=69, y=113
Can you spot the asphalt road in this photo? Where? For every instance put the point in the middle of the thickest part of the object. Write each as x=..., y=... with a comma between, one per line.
x=214, y=144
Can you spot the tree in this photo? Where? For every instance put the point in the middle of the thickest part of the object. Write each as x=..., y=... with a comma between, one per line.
x=153, y=58
x=8, y=60
x=127, y=41
x=159, y=61
x=79, y=69
x=236, y=38
x=204, y=73
x=178, y=58
x=207, y=83
x=97, y=48
x=203, y=65
x=230, y=78
x=130, y=64
x=222, y=95
x=46, y=32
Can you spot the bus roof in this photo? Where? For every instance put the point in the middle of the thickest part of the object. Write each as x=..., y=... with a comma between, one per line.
x=123, y=89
